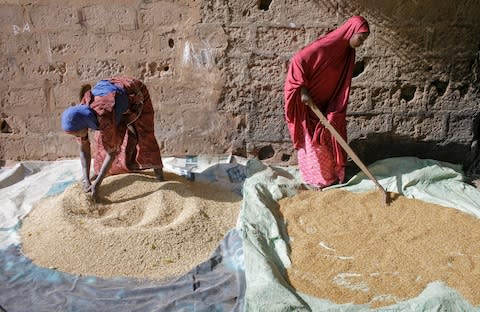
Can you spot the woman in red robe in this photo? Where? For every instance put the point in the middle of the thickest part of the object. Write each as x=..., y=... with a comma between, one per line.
x=121, y=111
x=321, y=73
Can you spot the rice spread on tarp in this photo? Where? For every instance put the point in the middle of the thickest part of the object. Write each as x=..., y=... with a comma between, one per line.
x=140, y=228
x=348, y=247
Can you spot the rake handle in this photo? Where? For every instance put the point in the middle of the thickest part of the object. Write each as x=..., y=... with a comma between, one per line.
x=347, y=148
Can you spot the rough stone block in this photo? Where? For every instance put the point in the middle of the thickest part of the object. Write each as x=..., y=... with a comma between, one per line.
x=236, y=100
x=360, y=126
x=55, y=17
x=212, y=35
x=52, y=72
x=47, y=143
x=25, y=100
x=63, y=45
x=28, y=45
x=12, y=147
x=8, y=69
x=360, y=100
x=399, y=97
x=216, y=11
x=165, y=42
x=42, y=124
x=199, y=55
x=240, y=39
x=267, y=72
x=165, y=13
x=65, y=146
x=430, y=127
x=214, y=136
x=160, y=68
x=445, y=33
x=124, y=44
x=97, y=18
x=95, y=69
x=304, y=12
x=11, y=16
x=383, y=69
x=266, y=128
x=237, y=71
x=461, y=69
x=279, y=39
x=67, y=96
x=9, y=125
x=261, y=12
x=284, y=153
x=267, y=102
x=461, y=128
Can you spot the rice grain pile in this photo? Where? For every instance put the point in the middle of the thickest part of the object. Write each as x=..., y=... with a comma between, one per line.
x=348, y=247
x=140, y=228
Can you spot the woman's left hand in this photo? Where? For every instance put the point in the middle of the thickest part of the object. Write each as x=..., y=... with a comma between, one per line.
x=107, y=162
x=93, y=189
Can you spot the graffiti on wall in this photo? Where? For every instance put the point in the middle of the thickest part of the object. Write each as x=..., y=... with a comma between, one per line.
x=17, y=29
x=202, y=57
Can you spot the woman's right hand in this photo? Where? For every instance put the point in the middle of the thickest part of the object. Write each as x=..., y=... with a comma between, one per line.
x=87, y=185
x=94, y=190
x=305, y=97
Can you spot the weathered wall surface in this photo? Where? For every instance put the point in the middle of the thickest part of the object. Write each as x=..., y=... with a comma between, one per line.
x=215, y=70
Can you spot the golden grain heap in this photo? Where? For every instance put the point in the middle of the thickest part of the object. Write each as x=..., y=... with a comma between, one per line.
x=348, y=247
x=140, y=228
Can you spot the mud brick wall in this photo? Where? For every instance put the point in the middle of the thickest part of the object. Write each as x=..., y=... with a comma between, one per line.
x=215, y=71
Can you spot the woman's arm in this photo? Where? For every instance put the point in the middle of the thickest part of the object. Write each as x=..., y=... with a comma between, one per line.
x=107, y=163
x=85, y=160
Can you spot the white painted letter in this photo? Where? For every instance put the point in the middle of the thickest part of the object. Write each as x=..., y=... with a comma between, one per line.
x=16, y=30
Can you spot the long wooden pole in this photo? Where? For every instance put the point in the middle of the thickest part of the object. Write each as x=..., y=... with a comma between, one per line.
x=347, y=148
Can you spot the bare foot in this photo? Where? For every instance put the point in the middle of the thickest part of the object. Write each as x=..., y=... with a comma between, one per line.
x=311, y=187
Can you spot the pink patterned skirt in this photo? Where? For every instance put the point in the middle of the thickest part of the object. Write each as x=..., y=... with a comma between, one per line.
x=317, y=164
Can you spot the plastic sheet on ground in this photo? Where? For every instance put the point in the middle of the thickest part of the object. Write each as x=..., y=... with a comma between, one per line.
x=264, y=238
x=245, y=273
x=217, y=284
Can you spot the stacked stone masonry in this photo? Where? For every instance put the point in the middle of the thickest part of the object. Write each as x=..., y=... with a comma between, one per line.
x=215, y=70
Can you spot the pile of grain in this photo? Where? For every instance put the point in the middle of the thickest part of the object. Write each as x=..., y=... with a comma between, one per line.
x=140, y=228
x=348, y=247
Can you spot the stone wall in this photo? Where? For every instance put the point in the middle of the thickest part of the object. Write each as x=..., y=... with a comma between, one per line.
x=215, y=70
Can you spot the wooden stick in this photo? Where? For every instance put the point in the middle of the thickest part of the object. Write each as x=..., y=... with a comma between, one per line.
x=347, y=148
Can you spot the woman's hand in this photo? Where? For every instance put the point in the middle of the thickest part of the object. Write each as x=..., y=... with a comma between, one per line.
x=95, y=185
x=94, y=190
x=305, y=97
x=86, y=185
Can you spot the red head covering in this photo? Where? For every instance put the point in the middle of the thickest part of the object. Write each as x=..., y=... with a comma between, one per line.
x=325, y=68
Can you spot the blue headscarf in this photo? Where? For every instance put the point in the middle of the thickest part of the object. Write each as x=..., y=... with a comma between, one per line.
x=79, y=117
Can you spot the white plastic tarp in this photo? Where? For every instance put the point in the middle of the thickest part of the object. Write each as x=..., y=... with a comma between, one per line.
x=264, y=238
x=215, y=285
